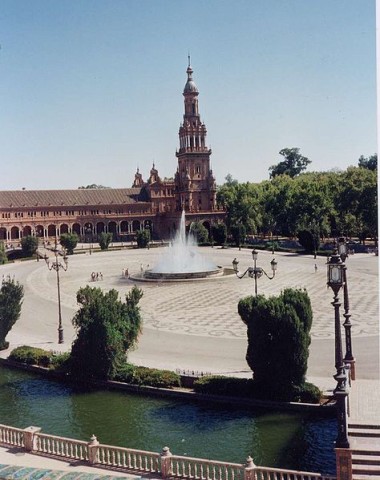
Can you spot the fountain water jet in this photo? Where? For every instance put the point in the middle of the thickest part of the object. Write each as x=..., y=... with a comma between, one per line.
x=182, y=261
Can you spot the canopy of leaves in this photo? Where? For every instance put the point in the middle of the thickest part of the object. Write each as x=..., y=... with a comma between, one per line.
x=293, y=165
x=104, y=240
x=92, y=186
x=106, y=329
x=322, y=203
x=143, y=238
x=3, y=255
x=219, y=233
x=69, y=241
x=199, y=232
x=370, y=163
x=29, y=245
x=11, y=295
x=278, y=340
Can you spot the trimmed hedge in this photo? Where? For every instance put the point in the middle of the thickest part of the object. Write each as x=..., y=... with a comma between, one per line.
x=31, y=356
x=147, y=376
x=247, y=388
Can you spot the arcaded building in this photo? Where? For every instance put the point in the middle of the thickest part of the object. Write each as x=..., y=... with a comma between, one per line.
x=153, y=203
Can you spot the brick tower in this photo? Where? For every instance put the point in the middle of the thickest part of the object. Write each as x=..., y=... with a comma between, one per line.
x=194, y=180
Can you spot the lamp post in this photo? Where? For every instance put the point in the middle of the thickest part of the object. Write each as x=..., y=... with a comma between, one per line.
x=335, y=280
x=57, y=265
x=255, y=271
x=348, y=358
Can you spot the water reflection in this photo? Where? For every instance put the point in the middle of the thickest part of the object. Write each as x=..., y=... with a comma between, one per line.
x=285, y=440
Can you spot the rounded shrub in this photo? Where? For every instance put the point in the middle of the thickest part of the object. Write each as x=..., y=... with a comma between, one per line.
x=31, y=356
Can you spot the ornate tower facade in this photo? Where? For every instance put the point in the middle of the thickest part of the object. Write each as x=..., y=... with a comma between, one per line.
x=194, y=180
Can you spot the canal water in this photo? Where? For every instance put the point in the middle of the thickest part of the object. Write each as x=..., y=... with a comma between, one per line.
x=277, y=439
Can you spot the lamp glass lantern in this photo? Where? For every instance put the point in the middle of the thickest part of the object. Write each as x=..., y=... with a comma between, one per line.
x=273, y=265
x=335, y=274
x=254, y=254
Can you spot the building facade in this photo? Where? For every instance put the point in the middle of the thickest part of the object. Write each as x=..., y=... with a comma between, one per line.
x=154, y=204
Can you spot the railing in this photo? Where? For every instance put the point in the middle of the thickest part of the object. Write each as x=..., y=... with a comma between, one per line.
x=163, y=464
x=199, y=469
x=135, y=460
x=264, y=473
x=12, y=436
x=61, y=446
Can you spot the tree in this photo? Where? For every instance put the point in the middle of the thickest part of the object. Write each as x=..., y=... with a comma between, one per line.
x=11, y=295
x=92, y=186
x=143, y=238
x=29, y=245
x=238, y=233
x=69, y=241
x=104, y=240
x=199, y=232
x=278, y=331
x=3, y=255
x=106, y=329
x=370, y=163
x=293, y=165
x=219, y=233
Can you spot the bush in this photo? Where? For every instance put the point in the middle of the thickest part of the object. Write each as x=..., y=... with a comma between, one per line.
x=143, y=238
x=307, y=393
x=147, y=376
x=104, y=240
x=229, y=386
x=60, y=362
x=69, y=241
x=278, y=331
x=31, y=356
x=29, y=245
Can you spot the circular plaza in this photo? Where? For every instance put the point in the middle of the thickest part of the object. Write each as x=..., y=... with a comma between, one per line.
x=195, y=325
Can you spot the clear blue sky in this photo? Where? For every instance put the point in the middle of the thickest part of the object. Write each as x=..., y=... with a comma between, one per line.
x=91, y=89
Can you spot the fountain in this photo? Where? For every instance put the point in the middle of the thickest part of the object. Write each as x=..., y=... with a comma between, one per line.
x=182, y=261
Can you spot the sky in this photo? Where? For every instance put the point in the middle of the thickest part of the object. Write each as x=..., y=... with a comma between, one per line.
x=92, y=89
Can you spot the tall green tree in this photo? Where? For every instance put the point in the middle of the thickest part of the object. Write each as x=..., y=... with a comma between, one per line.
x=107, y=328
x=242, y=203
x=11, y=296
x=29, y=245
x=143, y=238
x=219, y=233
x=3, y=255
x=293, y=165
x=104, y=240
x=69, y=241
x=278, y=331
x=370, y=163
x=199, y=232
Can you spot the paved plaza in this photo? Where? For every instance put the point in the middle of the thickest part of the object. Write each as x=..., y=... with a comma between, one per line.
x=195, y=325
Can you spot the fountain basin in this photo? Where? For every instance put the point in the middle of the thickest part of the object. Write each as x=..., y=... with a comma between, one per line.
x=176, y=276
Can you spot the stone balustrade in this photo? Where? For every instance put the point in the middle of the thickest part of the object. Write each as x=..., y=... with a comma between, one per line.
x=163, y=464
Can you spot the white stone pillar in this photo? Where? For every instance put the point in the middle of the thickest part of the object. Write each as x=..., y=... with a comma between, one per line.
x=30, y=438
x=166, y=462
x=249, y=471
x=93, y=450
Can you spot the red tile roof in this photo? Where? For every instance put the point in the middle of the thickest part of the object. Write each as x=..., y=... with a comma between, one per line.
x=69, y=198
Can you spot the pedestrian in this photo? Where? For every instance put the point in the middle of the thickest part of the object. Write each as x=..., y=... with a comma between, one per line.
x=127, y=273
x=315, y=268
x=97, y=276
x=101, y=275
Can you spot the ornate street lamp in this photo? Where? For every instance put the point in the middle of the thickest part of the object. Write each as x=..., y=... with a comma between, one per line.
x=335, y=280
x=255, y=271
x=57, y=265
x=348, y=358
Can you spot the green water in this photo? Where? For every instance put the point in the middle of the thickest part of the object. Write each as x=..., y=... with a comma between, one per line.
x=288, y=440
